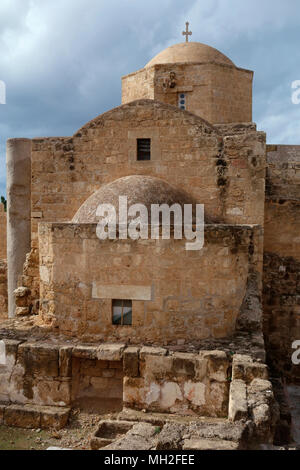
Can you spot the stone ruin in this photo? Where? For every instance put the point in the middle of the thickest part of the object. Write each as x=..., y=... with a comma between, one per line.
x=207, y=348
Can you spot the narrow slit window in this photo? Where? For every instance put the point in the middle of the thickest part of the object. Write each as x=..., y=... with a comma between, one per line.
x=122, y=312
x=143, y=149
x=182, y=101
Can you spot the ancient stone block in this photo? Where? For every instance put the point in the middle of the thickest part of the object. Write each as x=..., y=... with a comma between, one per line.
x=152, y=351
x=56, y=418
x=39, y=359
x=209, y=444
x=131, y=361
x=245, y=368
x=110, y=352
x=184, y=364
x=65, y=361
x=238, y=406
x=218, y=365
x=85, y=352
x=22, y=416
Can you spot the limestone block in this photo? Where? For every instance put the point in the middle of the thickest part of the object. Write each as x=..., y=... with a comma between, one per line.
x=209, y=444
x=184, y=364
x=39, y=359
x=134, y=392
x=85, y=352
x=54, y=417
x=22, y=311
x=32, y=416
x=110, y=352
x=170, y=394
x=65, y=361
x=201, y=366
x=157, y=368
x=238, y=407
x=245, y=368
x=170, y=437
x=52, y=392
x=22, y=295
x=151, y=351
x=217, y=399
x=218, y=365
x=195, y=393
x=131, y=361
x=20, y=416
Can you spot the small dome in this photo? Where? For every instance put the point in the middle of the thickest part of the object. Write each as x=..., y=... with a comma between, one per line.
x=189, y=52
x=138, y=189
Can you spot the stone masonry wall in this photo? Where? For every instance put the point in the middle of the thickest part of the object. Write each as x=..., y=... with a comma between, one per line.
x=187, y=152
x=218, y=93
x=195, y=294
x=180, y=383
x=224, y=172
x=36, y=376
x=282, y=258
x=281, y=305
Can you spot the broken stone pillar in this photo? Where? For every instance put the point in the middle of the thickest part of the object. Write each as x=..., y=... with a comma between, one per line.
x=18, y=161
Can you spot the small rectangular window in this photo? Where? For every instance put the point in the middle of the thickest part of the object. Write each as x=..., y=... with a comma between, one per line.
x=182, y=101
x=122, y=312
x=143, y=149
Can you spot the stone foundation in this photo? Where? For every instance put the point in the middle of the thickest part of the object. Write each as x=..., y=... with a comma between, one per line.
x=40, y=381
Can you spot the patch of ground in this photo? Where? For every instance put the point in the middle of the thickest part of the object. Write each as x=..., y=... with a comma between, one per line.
x=75, y=436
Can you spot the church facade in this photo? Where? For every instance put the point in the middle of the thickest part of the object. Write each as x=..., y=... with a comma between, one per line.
x=183, y=332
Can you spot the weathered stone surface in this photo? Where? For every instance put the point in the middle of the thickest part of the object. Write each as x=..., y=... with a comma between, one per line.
x=85, y=352
x=151, y=351
x=184, y=364
x=110, y=352
x=131, y=362
x=52, y=417
x=108, y=431
x=224, y=430
x=263, y=408
x=34, y=416
x=170, y=437
x=238, y=406
x=22, y=416
x=140, y=437
x=65, y=361
x=39, y=359
x=22, y=311
x=245, y=368
x=209, y=444
x=218, y=365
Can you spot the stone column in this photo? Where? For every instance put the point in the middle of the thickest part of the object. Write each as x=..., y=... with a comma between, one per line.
x=18, y=161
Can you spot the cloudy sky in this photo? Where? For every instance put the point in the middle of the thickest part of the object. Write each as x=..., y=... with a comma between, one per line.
x=62, y=60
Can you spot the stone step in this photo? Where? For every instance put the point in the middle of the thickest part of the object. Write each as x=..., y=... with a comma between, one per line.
x=209, y=444
x=34, y=416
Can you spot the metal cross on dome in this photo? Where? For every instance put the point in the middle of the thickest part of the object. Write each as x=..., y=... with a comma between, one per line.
x=187, y=33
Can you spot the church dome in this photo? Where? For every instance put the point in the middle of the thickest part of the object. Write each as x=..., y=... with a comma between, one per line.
x=138, y=189
x=190, y=52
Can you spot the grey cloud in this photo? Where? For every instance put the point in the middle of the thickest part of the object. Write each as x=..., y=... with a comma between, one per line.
x=62, y=60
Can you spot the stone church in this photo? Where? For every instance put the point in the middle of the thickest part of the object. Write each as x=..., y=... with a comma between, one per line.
x=146, y=324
